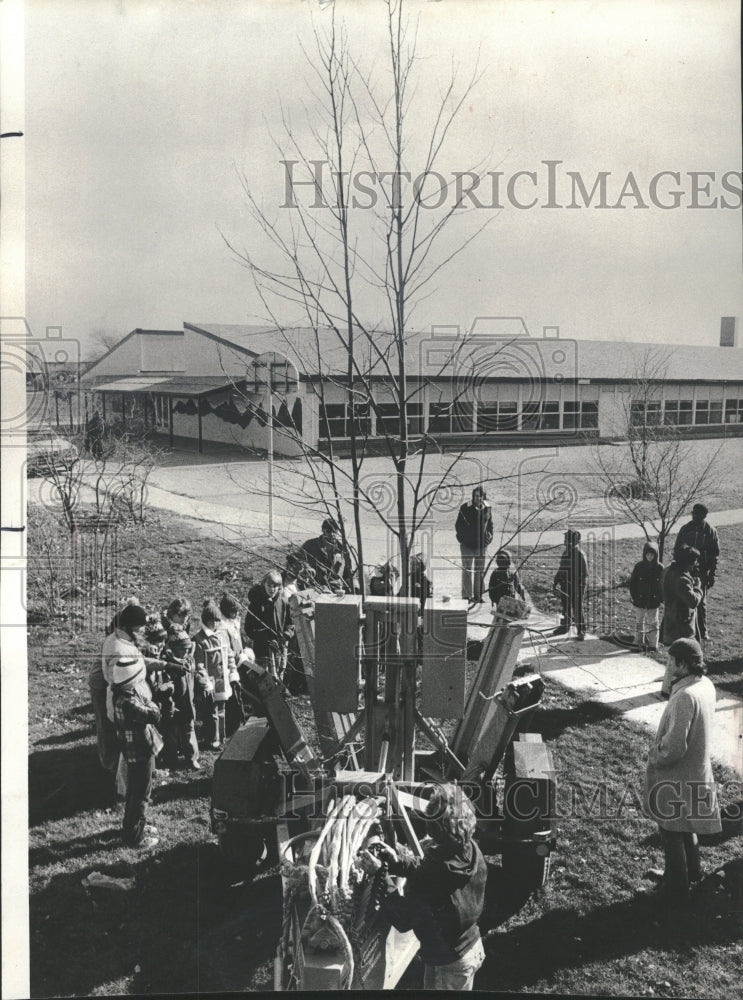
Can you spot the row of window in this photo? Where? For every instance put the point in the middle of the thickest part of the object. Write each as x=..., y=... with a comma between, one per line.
x=684, y=412
x=460, y=417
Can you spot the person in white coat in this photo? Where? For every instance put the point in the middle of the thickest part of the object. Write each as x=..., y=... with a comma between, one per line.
x=680, y=792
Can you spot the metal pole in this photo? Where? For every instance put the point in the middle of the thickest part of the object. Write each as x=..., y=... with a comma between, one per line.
x=269, y=417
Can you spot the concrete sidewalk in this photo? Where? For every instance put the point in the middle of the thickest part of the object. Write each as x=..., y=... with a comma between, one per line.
x=627, y=682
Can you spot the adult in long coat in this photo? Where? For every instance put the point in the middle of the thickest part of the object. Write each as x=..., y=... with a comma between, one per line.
x=680, y=793
x=682, y=593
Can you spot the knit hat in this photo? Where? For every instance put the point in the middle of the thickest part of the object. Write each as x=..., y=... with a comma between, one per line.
x=688, y=652
x=127, y=671
x=133, y=616
x=700, y=508
x=572, y=536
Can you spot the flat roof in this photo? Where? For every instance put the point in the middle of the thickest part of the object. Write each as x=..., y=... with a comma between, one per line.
x=322, y=352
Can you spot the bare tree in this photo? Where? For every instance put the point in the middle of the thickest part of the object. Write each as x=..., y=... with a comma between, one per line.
x=103, y=339
x=658, y=473
x=328, y=256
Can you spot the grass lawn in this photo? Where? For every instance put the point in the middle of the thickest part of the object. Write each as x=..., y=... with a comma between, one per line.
x=182, y=929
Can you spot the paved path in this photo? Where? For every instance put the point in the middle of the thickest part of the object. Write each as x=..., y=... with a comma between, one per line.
x=219, y=494
x=628, y=682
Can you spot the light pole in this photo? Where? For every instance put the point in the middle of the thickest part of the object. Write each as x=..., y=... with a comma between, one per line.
x=260, y=378
x=269, y=414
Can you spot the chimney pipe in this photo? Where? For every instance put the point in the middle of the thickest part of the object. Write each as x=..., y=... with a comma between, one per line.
x=729, y=331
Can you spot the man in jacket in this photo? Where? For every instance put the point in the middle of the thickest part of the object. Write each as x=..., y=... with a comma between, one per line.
x=444, y=893
x=700, y=535
x=325, y=556
x=474, y=529
x=570, y=583
x=646, y=592
x=680, y=791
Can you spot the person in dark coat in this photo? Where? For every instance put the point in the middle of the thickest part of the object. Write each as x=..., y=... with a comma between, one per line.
x=268, y=623
x=504, y=580
x=474, y=530
x=682, y=592
x=384, y=580
x=444, y=893
x=571, y=583
x=326, y=557
x=94, y=435
x=700, y=535
x=419, y=584
x=646, y=592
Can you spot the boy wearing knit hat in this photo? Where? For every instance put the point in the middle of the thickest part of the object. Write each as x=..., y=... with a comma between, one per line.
x=135, y=718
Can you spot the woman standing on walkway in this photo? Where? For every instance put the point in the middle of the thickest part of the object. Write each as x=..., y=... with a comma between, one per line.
x=680, y=793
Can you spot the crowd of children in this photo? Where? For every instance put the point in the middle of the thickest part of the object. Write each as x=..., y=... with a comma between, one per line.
x=155, y=677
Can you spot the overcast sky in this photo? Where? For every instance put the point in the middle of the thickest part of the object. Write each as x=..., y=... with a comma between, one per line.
x=139, y=112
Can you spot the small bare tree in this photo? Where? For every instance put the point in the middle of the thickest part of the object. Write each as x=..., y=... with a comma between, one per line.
x=335, y=250
x=656, y=476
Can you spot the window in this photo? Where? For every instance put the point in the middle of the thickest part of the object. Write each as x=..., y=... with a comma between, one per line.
x=645, y=413
x=715, y=412
x=685, y=411
x=530, y=416
x=733, y=411
x=333, y=420
x=581, y=415
x=388, y=418
x=415, y=418
x=362, y=417
x=589, y=418
x=671, y=412
x=550, y=415
x=701, y=416
x=463, y=417
x=652, y=413
x=439, y=417
x=496, y=416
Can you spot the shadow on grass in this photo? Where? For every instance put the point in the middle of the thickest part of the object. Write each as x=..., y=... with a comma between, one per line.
x=196, y=788
x=185, y=931
x=76, y=847
x=85, y=709
x=552, y=722
x=63, y=738
x=566, y=939
x=65, y=782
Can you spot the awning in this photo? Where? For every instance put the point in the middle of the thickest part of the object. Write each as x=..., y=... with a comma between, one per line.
x=179, y=385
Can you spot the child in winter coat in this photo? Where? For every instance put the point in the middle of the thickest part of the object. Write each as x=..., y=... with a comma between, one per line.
x=571, y=580
x=235, y=712
x=419, y=584
x=180, y=732
x=646, y=592
x=384, y=580
x=504, y=580
x=135, y=716
x=215, y=669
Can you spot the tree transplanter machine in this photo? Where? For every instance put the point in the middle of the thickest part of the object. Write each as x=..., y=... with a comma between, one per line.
x=378, y=677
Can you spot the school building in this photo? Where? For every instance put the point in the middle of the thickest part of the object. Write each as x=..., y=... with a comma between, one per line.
x=211, y=386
